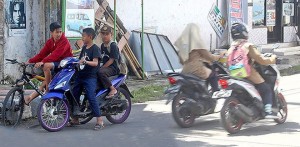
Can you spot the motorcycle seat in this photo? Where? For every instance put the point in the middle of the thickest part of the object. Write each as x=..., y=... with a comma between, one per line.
x=244, y=80
x=190, y=76
x=113, y=77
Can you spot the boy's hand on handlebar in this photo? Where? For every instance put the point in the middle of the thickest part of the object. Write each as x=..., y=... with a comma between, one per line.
x=82, y=60
x=222, y=54
x=38, y=65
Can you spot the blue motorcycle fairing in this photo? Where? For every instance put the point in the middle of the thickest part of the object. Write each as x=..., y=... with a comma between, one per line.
x=53, y=94
x=116, y=82
x=63, y=76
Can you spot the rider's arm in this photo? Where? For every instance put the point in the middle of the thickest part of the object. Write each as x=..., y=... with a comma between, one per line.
x=92, y=63
x=257, y=56
x=59, y=51
x=114, y=55
x=207, y=56
x=109, y=62
x=42, y=54
x=96, y=56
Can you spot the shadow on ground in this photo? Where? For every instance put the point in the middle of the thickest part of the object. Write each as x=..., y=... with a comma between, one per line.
x=143, y=129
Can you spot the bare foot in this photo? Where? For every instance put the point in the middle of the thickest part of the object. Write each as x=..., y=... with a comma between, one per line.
x=27, y=100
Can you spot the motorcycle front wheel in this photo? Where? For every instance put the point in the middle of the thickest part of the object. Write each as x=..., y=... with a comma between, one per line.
x=283, y=110
x=53, y=114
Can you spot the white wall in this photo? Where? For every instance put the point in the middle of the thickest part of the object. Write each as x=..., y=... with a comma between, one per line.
x=22, y=48
x=169, y=17
x=290, y=34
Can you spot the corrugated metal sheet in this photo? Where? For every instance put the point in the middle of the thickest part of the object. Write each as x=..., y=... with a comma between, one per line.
x=159, y=53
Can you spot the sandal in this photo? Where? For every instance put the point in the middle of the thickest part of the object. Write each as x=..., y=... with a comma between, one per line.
x=109, y=96
x=99, y=126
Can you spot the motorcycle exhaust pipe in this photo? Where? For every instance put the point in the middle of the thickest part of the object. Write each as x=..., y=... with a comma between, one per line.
x=243, y=112
x=194, y=106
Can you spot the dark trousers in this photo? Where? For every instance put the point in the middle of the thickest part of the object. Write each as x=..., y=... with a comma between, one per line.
x=213, y=80
x=266, y=92
x=103, y=75
x=90, y=85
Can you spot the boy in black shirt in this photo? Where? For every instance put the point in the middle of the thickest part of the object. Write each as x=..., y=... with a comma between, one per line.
x=87, y=77
x=110, y=58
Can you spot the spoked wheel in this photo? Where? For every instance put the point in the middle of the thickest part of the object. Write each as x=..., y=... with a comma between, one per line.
x=182, y=115
x=231, y=123
x=13, y=107
x=53, y=114
x=283, y=110
x=121, y=117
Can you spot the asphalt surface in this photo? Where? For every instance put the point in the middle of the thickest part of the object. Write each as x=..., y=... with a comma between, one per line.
x=151, y=125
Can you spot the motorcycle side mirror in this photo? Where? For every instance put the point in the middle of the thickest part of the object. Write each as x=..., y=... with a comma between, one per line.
x=276, y=45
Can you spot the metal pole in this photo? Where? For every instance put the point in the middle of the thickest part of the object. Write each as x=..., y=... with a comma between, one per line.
x=115, y=20
x=217, y=39
x=63, y=14
x=142, y=43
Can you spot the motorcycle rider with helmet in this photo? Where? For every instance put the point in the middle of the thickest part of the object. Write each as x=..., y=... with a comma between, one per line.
x=239, y=35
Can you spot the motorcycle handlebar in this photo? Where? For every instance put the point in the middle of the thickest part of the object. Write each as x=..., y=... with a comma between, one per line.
x=279, y=60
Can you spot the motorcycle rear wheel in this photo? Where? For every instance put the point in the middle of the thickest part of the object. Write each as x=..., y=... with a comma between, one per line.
x=121, y=117
x=230, y=122
x=183, y=121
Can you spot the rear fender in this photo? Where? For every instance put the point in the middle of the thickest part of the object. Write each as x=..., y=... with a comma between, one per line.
x=124, y=86
x=172, y=92
x=117, y=82
x=250, y=89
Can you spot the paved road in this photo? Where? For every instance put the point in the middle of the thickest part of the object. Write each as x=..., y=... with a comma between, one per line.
x=151, y=125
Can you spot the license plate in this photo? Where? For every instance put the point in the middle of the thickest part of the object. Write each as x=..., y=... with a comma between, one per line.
x=171, y=92
x=222, y=93
x=173, y=89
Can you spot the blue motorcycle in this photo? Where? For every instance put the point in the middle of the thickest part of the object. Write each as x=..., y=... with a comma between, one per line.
x=55, y=108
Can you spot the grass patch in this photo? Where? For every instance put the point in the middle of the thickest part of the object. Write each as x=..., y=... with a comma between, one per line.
x=148, y=93
x=290, y=71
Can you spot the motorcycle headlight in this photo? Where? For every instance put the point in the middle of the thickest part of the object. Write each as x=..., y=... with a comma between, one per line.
x=63, y=63
x=60, y=85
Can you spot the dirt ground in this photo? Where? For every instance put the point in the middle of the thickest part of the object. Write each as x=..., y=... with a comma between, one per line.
x=134, y=84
